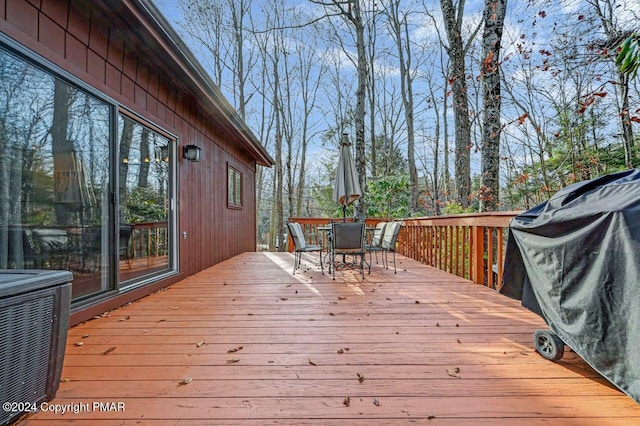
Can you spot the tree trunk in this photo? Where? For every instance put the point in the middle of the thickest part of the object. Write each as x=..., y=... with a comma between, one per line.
x=453, y=26
x=361, y=93
x=494, y=13
x=406, y=89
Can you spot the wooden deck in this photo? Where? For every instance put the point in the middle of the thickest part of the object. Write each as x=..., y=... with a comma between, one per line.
x=258, y=345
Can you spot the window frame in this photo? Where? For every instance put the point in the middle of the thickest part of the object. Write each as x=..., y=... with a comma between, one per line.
x=234, y=188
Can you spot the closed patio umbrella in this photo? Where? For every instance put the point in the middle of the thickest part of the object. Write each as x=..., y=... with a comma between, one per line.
x=347, y=186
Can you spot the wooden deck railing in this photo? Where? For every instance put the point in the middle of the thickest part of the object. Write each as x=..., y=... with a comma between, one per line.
x=471, y=246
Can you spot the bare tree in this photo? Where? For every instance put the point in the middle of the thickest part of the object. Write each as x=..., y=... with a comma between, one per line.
x=400, y=33
x=352, y=12
x=607, y=12
x=453, y=25
x=494, y=14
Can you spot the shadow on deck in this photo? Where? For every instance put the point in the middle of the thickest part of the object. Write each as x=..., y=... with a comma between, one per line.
x=246, y=341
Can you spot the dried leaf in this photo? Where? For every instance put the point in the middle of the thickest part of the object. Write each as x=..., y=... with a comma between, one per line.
x=239, y=348
x=458, y=340
x=332, y=314
x=124, y=318
x=175, y=308
x=65, y=380
x=200, y=343
x=185, y=381
x=312, y=363
x=342, y=298
x=347, y=401
x=340, y=351
x=376, y=402
x=454, y=372
x=106, y=351
x=161, y=320
x=84, y=336
x=417, y=302
x=284, y=298
x=79, y=343
x=360, y=377
x=233, y=360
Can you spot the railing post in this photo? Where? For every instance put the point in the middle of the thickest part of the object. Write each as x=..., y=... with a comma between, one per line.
x=477, y=256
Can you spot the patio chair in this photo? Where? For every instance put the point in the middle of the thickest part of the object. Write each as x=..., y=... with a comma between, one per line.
x=376, y=243
x=301, y=246
x=389, y=241
x=348, y=239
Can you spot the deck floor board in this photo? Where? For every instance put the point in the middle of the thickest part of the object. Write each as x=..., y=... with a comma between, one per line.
x=261, y=345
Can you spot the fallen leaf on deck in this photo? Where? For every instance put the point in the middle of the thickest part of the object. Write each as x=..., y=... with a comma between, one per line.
x=332, y=314
x=124, y=318
x=417, y=302
x=200, y=343
x=239, y=348
x=312, y=363
x=340, y=351
x=437, y=324
x=284, y=298
x=161, y=320
x=175, y=307
x=342, y=298
x=79, y=343
x=185, y=381
x=360, y=377
x=454, y=372
x=458, y=340
x=233, y=360
x=65, y=380
x=347, y=401
x=84, y=336
x=376, y=402
x=106, y=351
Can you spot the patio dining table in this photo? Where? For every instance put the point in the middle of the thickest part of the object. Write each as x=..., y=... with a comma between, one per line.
x=326, y=243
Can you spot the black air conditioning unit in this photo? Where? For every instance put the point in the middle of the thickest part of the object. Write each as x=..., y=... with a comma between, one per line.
x=34, y=318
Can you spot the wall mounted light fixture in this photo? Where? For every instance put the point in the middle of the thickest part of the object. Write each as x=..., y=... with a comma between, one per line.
x=191, y=152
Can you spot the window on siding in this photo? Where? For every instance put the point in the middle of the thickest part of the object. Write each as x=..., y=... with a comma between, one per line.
x=234, y=187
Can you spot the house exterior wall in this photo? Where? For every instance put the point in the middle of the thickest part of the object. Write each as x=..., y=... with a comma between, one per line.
x=104, y=45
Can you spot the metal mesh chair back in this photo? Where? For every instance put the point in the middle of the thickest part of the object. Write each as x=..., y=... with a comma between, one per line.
x=348, y=235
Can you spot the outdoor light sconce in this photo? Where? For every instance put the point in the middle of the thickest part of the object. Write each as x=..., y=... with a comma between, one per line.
x=191, y=152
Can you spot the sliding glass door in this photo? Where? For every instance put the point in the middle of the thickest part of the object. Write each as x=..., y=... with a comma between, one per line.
x=83, y=187
x=145, y=187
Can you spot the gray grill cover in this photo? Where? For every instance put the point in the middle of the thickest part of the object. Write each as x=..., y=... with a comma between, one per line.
x=575, y=261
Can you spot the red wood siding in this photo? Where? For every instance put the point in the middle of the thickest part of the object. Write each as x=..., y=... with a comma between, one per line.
x=103, y=44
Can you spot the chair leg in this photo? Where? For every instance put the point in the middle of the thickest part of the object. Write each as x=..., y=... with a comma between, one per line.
x=321, y=266
x=295, y=262
x=394, y=262
x=332, y=266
